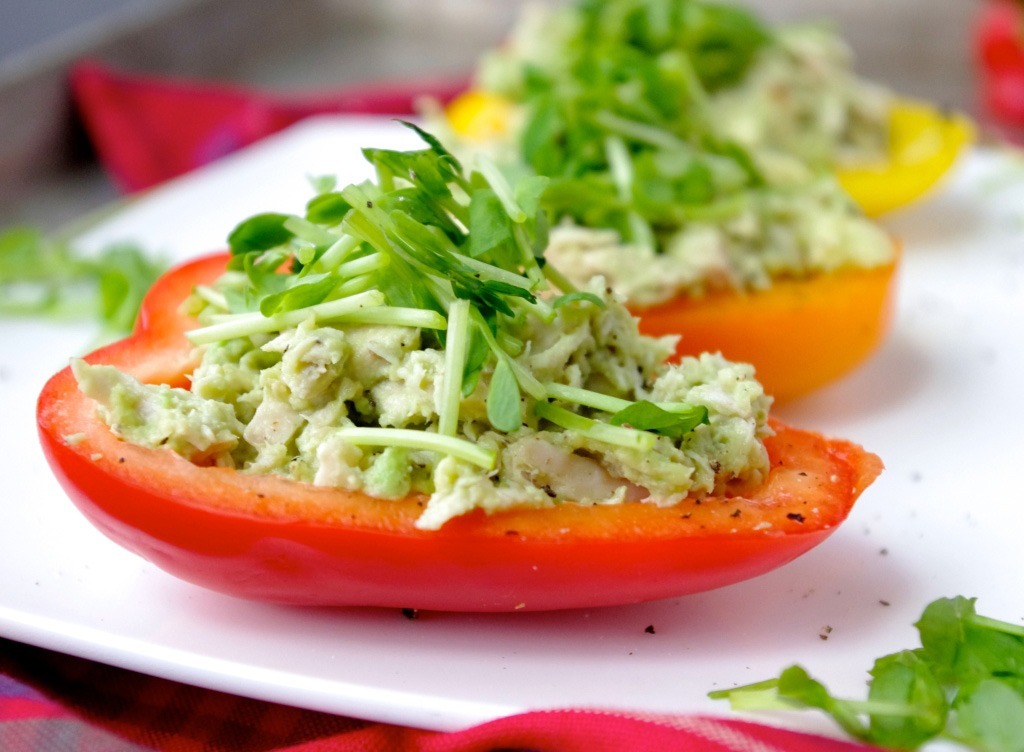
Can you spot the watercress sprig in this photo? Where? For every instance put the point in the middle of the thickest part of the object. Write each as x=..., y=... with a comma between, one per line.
x=46, y=277
x=965, y=683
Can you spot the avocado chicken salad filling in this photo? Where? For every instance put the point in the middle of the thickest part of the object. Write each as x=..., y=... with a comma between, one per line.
x=789, y=89
x=690, y=148
x=406, y=336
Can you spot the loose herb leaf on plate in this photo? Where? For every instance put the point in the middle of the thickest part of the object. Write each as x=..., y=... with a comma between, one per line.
x=990, y=716
x=46, y=278
x=904, y=679
x=124, y=274
x=965, y=684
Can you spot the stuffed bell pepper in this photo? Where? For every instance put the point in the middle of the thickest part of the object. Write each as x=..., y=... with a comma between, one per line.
x=394, y=400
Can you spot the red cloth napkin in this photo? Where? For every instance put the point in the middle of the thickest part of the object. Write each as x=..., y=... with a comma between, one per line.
x=147, y=129
x=50, y=701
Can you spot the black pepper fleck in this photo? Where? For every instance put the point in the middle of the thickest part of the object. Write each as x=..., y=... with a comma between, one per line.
x=796, y=516
x=649, y=629
x=825, y=632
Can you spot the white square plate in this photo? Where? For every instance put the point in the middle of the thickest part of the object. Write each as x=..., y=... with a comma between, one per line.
x=941, y=403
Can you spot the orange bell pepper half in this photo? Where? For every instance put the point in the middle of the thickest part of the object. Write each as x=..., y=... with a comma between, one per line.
x=800, y=334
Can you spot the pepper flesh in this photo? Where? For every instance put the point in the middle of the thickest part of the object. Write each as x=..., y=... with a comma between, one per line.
x=923, y=145
x=269, y=538
x=800, y=334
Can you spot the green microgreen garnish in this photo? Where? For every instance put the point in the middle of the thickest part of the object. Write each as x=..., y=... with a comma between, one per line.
x=247, y=324
x=609, y=404
x=596, y=430
x=259, y=233
x=619, y=116
x=577, y=297
x=429, y=247
x=457, y=348
x=45, y=277
x=405, y=437
x=647, y=416
x=965, y=684
x=504, y=410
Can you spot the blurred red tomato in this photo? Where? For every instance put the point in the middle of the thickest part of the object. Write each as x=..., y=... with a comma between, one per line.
x=999, y=46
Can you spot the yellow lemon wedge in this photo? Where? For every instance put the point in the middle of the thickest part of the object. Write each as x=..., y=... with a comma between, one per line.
x=923, y=144
x=479, y=115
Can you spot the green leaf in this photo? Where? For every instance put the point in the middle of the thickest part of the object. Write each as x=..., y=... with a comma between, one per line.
x=435, y=146
x=594, y=429
x=489, y=223
x=327, y=209
x=796, y=685
x=966, y=657
x=39, y=277
x=904, y=678
x=577, y=297
x=259, y=233
x=646, y=416
x=417, y=203
x=475, y=360
x=303, y=292
x=323, y=183
x=125, y=274
x=990, y=717
x=964, y=647
x=722, y=41
x=942, y=630
x=541, y=135
x=529, y=191
x=504, y=408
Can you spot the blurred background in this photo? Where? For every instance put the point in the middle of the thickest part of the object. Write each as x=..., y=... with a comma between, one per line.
x=48, y=174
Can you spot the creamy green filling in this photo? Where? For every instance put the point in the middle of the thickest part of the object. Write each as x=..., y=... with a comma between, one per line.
x=297, y=404
x=802, y=97
x=776, y=234
x=690, y=219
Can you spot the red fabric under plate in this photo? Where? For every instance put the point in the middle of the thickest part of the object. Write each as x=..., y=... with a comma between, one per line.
x=148, y=129
x=50, y=701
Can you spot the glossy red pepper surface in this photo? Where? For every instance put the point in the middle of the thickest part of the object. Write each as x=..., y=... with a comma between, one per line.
x=269, y=538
